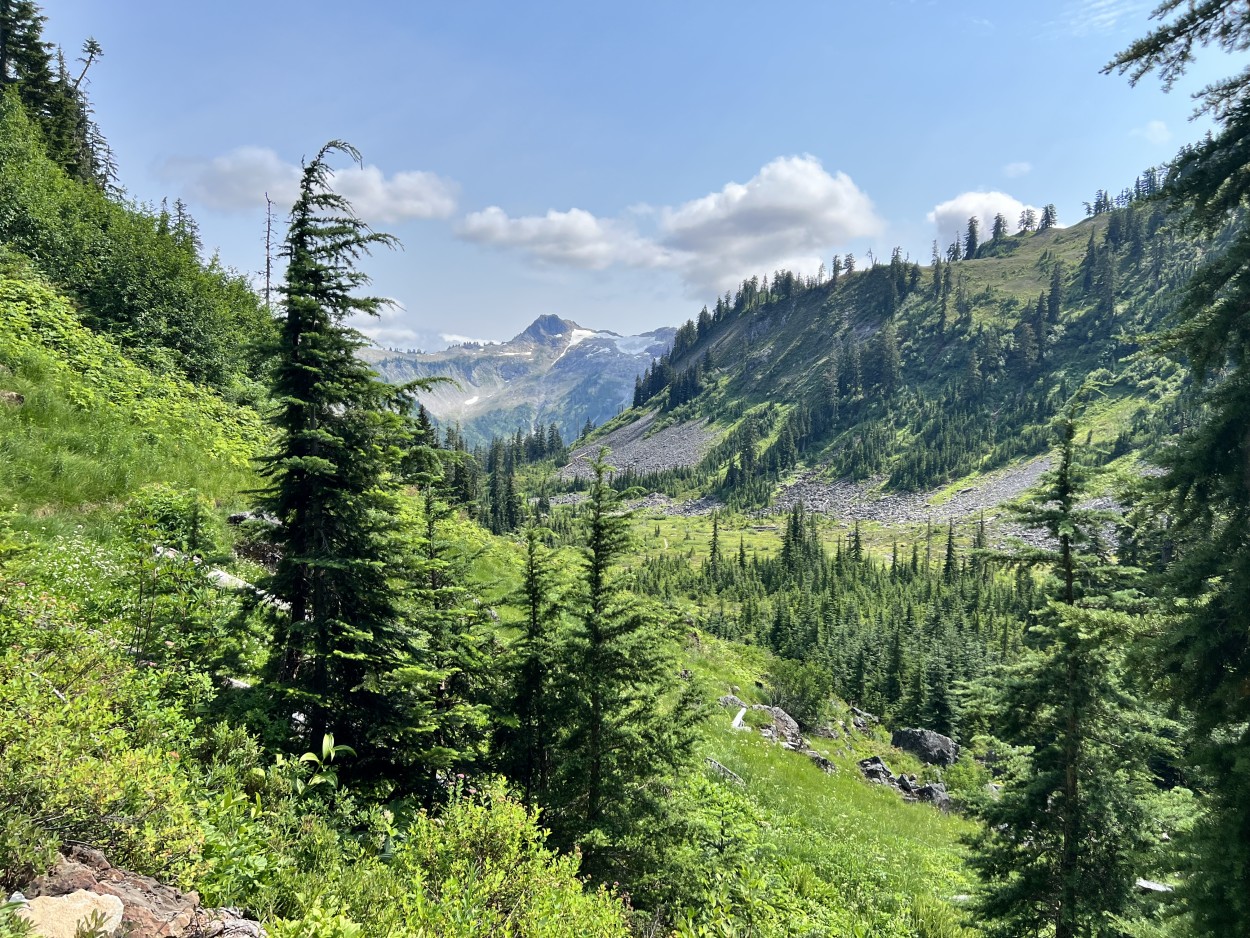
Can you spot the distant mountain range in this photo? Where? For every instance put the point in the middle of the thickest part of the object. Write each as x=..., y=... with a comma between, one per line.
x=555, y=370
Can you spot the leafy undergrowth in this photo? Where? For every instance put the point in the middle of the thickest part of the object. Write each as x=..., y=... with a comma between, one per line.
x=94, y=425
x=105, y=747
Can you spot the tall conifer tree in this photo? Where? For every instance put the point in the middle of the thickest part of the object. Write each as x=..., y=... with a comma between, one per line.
x=629, y=725
x=331, y=486
x=1060, y=849
x=1204, y=656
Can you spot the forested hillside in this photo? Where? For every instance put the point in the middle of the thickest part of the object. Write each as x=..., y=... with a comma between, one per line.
x=918, y=376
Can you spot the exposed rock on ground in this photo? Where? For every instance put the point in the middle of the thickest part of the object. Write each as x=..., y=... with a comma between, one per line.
x=876, y=771
x=630, y=449
x=784, y=730
x=858, y=501
x=71, y=915
x=926, y=745
x=147, y=909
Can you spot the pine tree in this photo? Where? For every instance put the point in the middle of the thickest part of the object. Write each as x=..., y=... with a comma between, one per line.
x=447, y=678
x=1064, y=843
x=332, y=487
x=999, y=231
x=1204, y=656
x=970, y=238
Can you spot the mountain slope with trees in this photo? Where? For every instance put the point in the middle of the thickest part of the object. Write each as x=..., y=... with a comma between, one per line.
x=922, y=375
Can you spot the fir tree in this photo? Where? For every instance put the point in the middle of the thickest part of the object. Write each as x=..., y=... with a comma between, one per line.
x=1204, y=656
x=629, y=726
x=1060, y=847
x=528, y=746
x=332, y=486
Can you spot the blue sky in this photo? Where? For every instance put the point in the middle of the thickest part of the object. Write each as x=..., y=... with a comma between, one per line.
x=620, y=164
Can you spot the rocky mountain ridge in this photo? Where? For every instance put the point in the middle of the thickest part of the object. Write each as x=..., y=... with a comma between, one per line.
x=553, y=371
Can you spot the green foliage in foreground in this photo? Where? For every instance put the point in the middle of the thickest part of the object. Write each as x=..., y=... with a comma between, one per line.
x=94, y=425
x=97, y=748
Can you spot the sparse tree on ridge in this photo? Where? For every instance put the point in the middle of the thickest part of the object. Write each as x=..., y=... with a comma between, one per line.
x=999, y=231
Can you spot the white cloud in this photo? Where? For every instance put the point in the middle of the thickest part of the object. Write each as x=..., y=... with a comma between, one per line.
x=1016, y=170
x=575, y=238
x=1086, y=17
x=1155, y=132
x=452, y=339
x=788, y=215
x=951, y=217
x=238, y=181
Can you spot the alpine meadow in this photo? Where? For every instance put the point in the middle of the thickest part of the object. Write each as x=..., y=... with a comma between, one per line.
x=898, y=591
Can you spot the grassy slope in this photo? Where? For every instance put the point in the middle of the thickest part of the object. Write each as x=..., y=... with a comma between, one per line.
x=94, y=425
x=855, y=853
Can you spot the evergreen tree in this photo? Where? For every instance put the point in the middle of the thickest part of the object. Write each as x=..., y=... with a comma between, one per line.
x=528, y=746
x=448, y=675
x=341, y=642
x=1204, y=656
x=629, y=726
x=1061, y=846
x=999, y=231
x=970, y=238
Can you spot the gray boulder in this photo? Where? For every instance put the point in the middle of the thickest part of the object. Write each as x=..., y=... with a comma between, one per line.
x=785, y=729
x=876, y=771
x=928, y=746
x=935, y=794
x=821, y=762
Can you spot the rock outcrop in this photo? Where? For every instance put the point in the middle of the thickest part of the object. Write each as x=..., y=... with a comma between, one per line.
x=876, y=771
x=785, y=728
x=71, y=915
x=926, y=745
x=145, y=907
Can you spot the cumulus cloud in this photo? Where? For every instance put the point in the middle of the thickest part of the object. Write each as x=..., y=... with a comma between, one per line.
x=238, y=181
x=452, y=338
x=575, y=238
x=951, y=217
x=1155, y=132
x=1016, y=170
x=788, y=215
